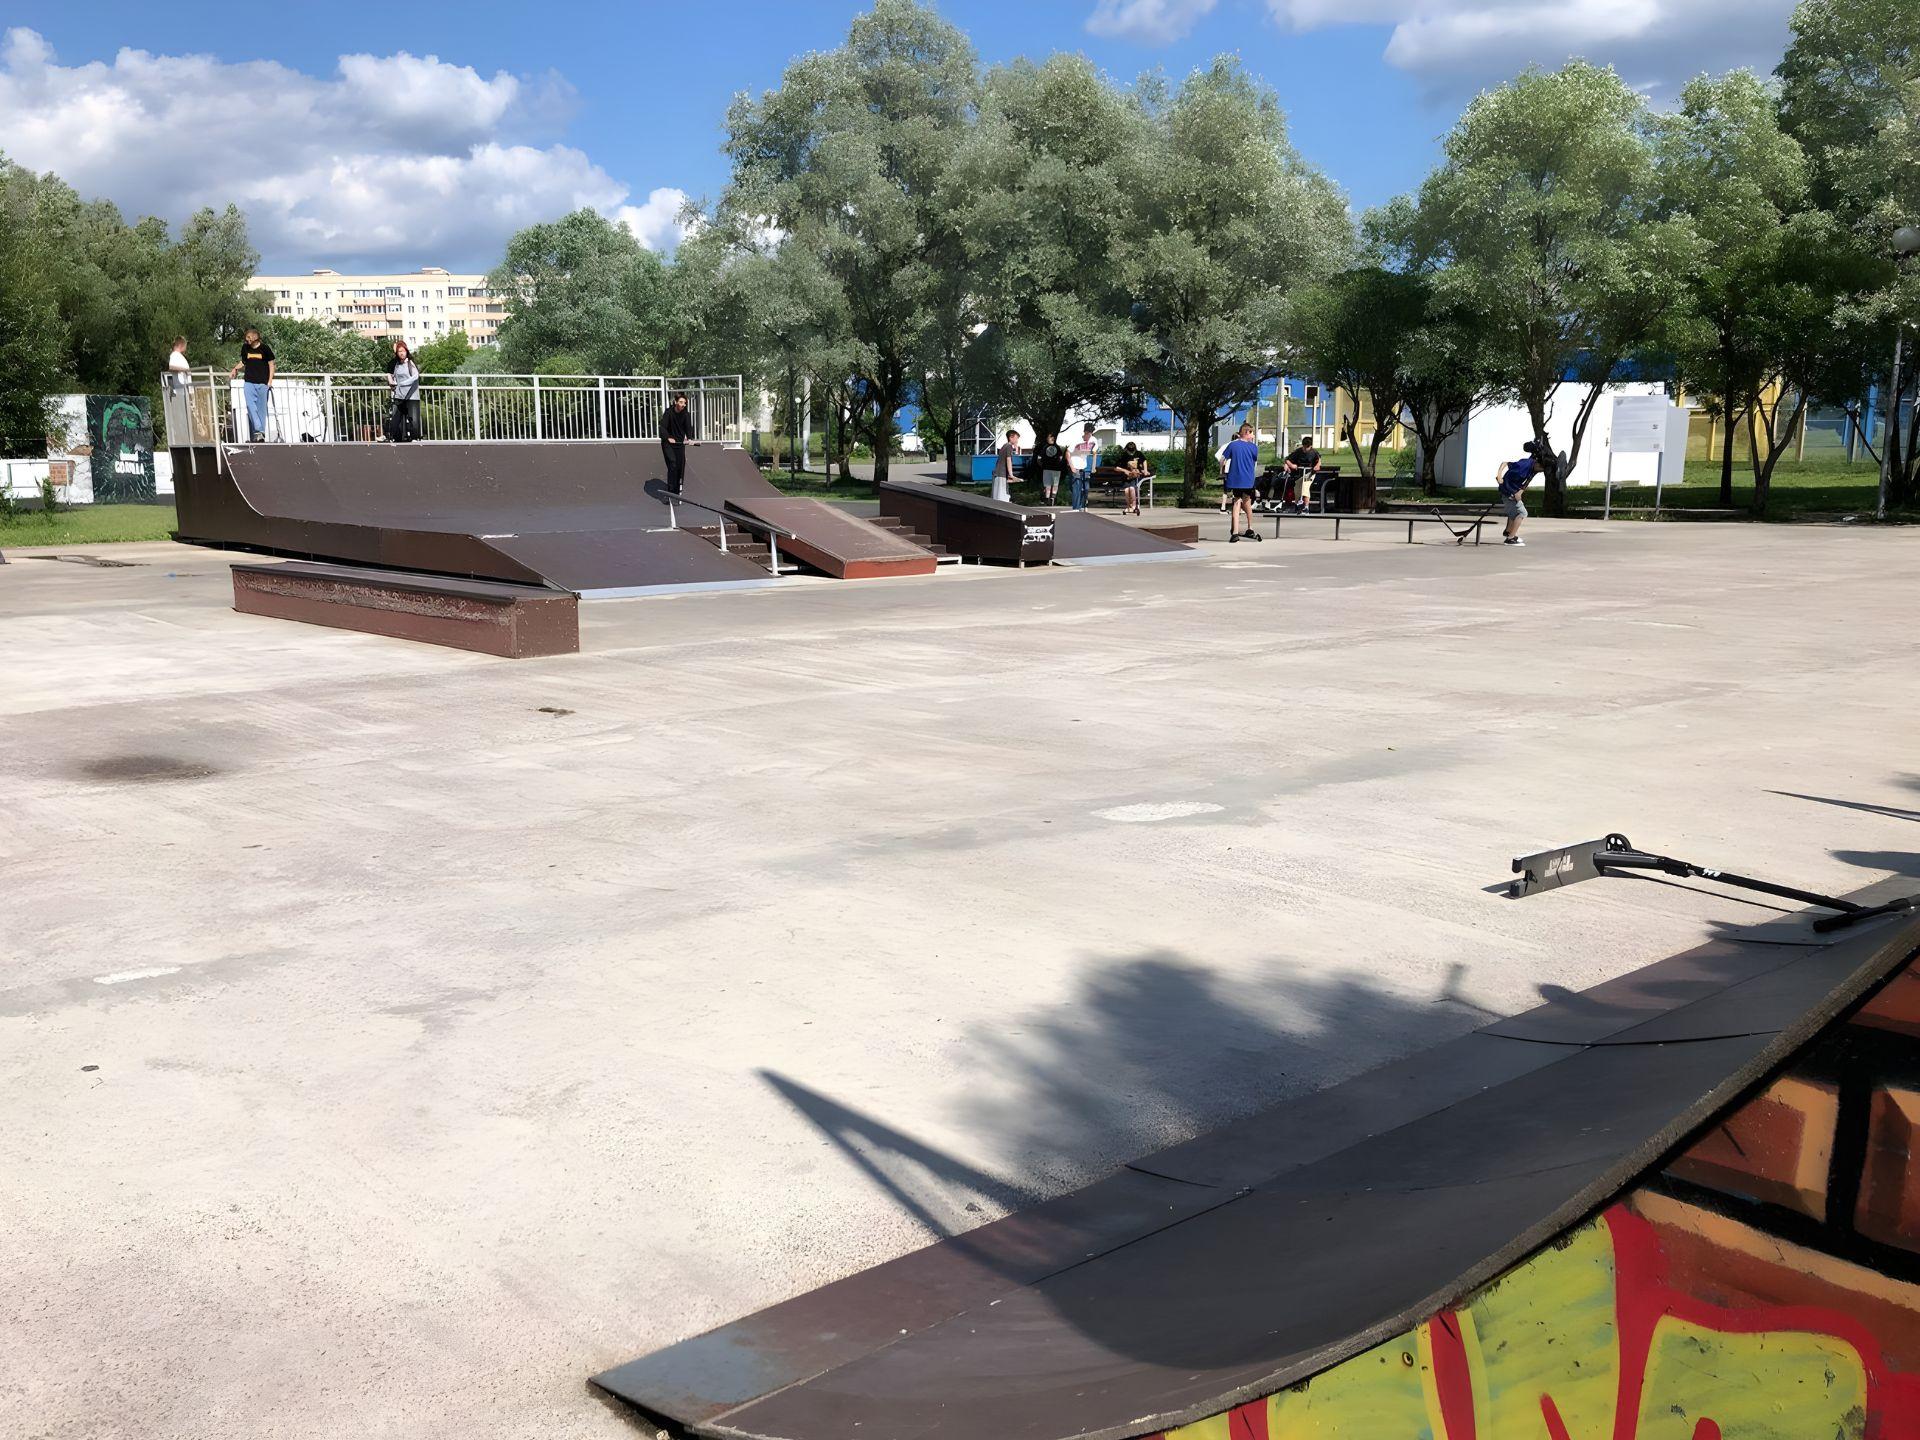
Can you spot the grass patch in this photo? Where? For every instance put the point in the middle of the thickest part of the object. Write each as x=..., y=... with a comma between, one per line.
x=820, y=484
x=88, y=525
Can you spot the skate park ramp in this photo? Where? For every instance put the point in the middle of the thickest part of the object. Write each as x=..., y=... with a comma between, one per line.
x=835, y=542
x=1083, y=538
x=982, y=528
x=585, y=516
x=1681, y=1205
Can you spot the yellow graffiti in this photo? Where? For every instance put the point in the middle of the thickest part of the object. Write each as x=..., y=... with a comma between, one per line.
x=1777, y=1385
x=1541, y=1349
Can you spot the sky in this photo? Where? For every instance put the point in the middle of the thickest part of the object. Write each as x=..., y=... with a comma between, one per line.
x=427, y=133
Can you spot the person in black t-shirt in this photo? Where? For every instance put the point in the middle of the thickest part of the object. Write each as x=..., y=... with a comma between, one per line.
x=1301, y=465
x=676, y=429
x=1051, y=457
x=256, y=361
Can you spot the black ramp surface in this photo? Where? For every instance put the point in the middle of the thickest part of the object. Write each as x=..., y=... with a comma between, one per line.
x=1080, y=537
x=616, y=560
x=1303, y=1256
x=485, y=487
x=570, y=514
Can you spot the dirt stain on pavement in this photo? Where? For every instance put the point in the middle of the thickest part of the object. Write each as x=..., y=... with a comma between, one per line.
x=145, y=769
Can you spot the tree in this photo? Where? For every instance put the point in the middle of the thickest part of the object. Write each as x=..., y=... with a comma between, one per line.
x=32, y=342
x=1354, y=329
x=1810, y=332
x=445, y=355
x=123, y=292
x=1229, y=221
x=1044, y=200
x=846, y=158
x=584, y=287
x=1446, y=364
x=304, y=347
x=1545, y=215
x=1726, y=164
x=1850, y=94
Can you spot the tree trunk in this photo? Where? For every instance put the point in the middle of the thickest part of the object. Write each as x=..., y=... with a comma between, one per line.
x=806, y=422
x=1556, y=483
x=953, y=445
x=1726, y=456
x=880, y=437
x=843, y=422
x=1194, y=471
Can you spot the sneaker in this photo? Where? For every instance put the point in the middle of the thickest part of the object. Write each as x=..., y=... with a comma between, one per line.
x=1252, y=535
x=1513, y=540
x=1233, y=539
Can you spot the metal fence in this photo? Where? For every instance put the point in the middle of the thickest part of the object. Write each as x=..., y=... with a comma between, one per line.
x=207, y=407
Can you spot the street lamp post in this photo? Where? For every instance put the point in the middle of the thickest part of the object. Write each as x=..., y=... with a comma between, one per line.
x=1906, y=241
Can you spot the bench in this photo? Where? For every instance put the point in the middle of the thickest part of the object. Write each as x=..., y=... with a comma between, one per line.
x=1459, y=533
x=1113, y=483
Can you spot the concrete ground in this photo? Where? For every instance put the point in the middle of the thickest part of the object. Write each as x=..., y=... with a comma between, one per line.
x=392, y=1037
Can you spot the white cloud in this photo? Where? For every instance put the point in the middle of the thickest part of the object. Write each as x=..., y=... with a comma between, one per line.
x=1457, y=46
x=656, y=224
x=1151, y=22
x=394, y=160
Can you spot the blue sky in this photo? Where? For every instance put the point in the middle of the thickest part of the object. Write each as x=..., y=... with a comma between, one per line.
x=532, y=110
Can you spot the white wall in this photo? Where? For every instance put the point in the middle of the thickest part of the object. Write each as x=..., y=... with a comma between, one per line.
x=1473, y=455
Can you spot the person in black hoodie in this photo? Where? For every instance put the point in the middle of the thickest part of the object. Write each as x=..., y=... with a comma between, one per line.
x=676, y=429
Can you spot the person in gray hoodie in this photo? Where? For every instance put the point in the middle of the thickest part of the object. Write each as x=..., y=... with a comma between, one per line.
x=404, y=377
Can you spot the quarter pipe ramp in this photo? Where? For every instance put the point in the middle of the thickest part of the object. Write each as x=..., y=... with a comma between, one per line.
x=1684, y=1205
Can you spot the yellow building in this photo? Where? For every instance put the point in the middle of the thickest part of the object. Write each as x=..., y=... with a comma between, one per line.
x=419, y=307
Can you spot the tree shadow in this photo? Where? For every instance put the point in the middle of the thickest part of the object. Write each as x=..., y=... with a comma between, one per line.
x=1156, y=1049
x=1152, y=1051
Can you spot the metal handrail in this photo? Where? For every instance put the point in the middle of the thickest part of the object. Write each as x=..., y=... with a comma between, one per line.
x=323, y=407
x=746, y=522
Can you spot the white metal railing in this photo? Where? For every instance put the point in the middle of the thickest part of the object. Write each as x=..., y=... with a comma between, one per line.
x=208, y=407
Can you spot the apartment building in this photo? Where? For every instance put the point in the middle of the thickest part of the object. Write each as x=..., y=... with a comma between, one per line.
x=418, y=307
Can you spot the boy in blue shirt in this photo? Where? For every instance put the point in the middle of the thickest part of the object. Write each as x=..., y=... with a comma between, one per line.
x=1513, y=479
x=1240, y=457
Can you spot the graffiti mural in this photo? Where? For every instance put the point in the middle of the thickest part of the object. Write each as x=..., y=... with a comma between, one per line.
x=120, y=437
x=1763, y=1285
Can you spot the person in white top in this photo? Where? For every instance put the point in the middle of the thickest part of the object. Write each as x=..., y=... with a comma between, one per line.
x=1085, y=455
x=177, y=366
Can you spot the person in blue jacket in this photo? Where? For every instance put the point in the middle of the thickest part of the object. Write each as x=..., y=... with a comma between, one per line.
x=1513, y=479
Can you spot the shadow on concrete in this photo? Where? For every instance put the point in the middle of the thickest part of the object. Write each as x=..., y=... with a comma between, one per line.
x=1896, y=862
x=1156, y=1049
x=1892, y=812
x=1152, y=1051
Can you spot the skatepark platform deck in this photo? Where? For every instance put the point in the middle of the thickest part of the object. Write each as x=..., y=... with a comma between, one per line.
x=585, y=516
x=1215, y=1274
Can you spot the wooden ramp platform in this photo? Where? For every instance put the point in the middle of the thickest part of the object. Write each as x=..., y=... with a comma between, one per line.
x=513, y=621
x=828, y=539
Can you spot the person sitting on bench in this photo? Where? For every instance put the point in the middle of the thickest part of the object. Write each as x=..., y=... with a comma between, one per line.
x=1300, y=466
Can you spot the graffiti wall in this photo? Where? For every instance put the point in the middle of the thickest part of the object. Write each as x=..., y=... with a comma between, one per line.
x=120, y=441
x=1765, y=1285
